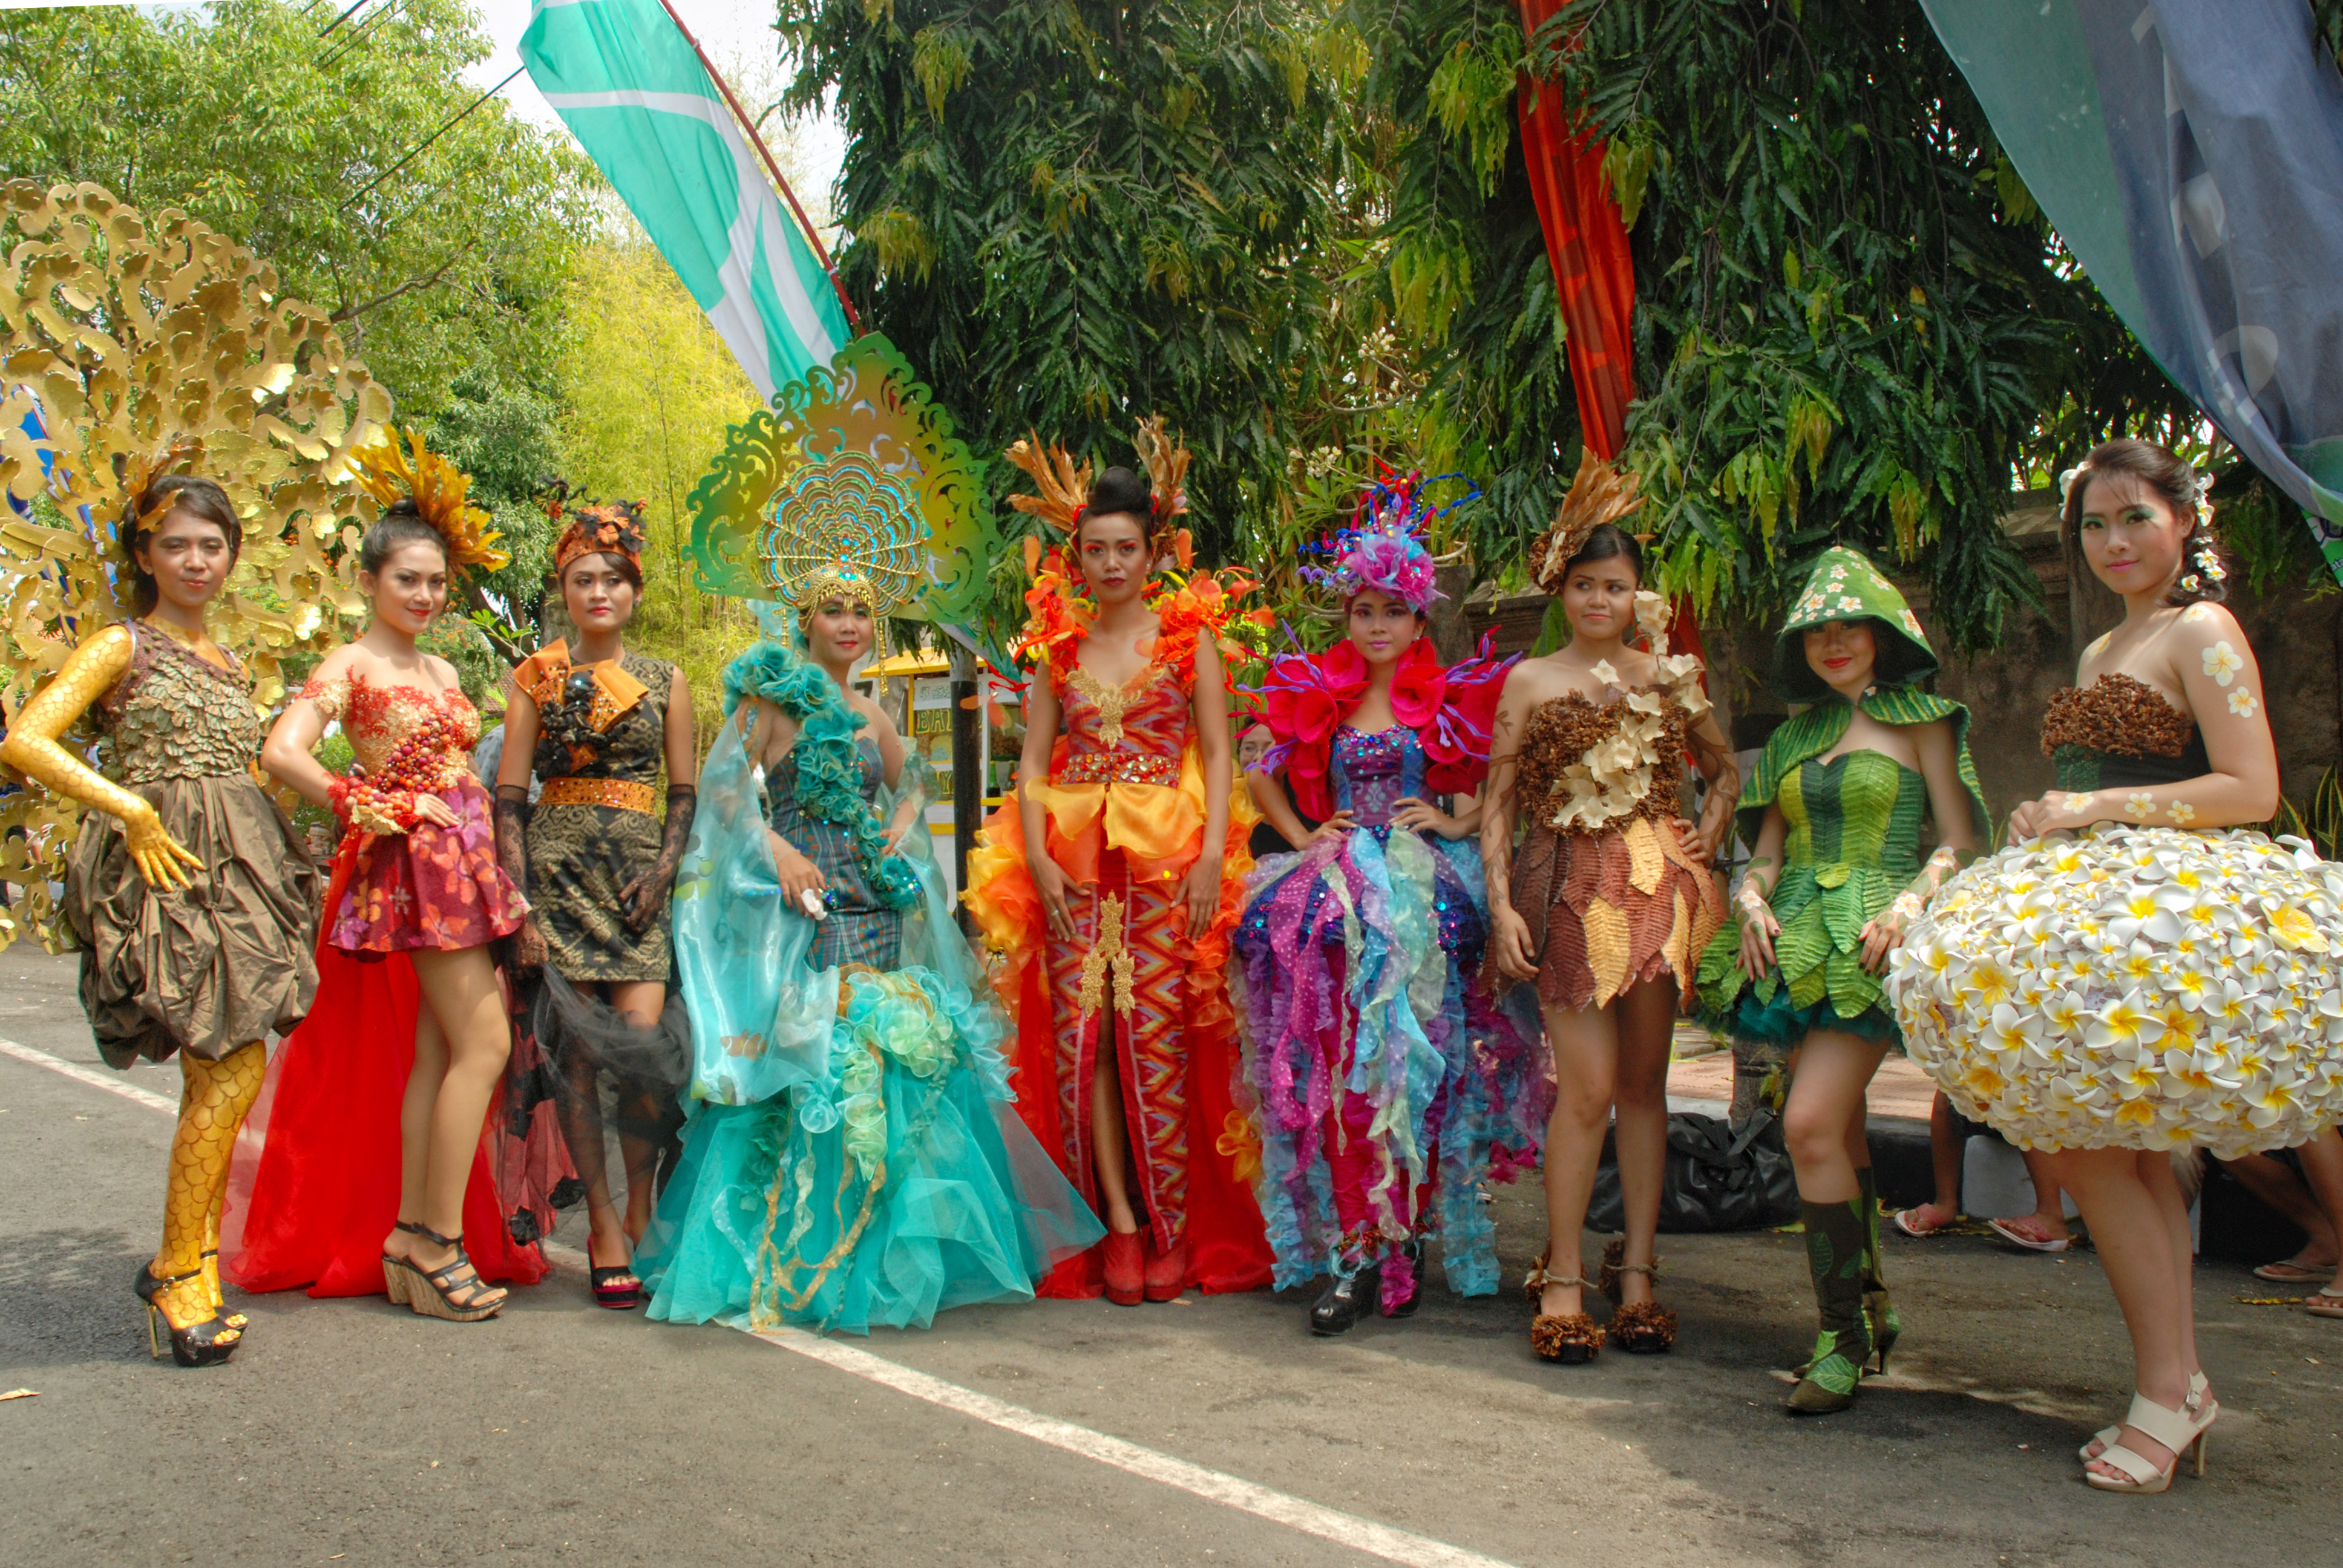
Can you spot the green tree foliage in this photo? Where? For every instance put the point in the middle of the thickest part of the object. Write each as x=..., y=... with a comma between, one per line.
x=306, y=148
x=1069, y=215
x=1850, y=322
x=1463, y=276
x=649, y=391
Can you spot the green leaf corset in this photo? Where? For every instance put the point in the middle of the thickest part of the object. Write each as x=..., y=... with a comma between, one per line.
x=1854, y=844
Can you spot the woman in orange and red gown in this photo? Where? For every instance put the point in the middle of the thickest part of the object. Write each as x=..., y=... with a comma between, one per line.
x=1111, y=885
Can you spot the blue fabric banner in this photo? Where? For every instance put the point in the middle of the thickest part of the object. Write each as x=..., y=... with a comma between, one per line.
x=2190, y=154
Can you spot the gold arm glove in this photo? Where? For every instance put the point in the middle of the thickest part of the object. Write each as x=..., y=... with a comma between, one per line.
x=32, y=746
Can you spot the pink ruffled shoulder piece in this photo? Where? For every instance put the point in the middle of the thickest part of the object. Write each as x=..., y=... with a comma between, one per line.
x=1306, y=697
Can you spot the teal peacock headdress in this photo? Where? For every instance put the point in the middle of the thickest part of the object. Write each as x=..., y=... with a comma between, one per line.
x=851, y=486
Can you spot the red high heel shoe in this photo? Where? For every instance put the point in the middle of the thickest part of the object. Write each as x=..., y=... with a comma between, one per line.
x=1167, y=1272
x=1126, y=1267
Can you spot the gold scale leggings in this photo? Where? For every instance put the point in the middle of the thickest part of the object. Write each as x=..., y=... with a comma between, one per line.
x=213, y=1100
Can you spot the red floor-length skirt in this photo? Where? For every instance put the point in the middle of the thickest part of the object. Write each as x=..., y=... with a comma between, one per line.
x=312, y=1207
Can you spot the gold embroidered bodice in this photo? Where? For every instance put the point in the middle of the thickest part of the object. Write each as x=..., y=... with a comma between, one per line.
x=1132, y=733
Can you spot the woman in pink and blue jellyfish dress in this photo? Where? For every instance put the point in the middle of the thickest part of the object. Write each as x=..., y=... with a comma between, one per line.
x=1385, y=1083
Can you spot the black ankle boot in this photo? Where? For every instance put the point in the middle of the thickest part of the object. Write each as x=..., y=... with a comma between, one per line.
x=1346, y=1300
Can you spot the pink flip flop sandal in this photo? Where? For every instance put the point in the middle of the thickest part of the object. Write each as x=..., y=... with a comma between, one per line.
x=1918, y=1229
x=2008, y=1232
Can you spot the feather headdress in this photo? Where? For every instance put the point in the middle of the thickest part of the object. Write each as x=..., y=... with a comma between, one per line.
x=391, y=471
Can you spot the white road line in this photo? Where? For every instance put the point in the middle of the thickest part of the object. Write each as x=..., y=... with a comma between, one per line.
x=1347, y=1529
x=111, y=1082
x=1279, y=1508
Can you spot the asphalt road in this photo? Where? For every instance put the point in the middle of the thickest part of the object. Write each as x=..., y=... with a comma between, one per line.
x=356, y=1433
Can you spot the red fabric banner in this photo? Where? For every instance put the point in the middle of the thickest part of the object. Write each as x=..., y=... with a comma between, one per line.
x=1586, y=244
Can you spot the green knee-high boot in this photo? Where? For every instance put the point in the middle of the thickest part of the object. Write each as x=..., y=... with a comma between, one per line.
x=1878, y=1307
x=1836, y=1253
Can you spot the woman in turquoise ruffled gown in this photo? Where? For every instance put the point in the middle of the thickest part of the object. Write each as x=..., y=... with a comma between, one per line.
x=853, y=1155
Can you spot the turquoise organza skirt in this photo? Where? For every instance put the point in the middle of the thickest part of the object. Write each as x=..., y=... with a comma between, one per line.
x=854, y=1155
x=927, y=1194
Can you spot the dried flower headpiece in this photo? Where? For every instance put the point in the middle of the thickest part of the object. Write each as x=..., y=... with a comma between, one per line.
x=1600, y=493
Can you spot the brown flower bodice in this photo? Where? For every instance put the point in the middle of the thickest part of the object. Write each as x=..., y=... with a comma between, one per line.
x=1562, y=730
x=2120, y=733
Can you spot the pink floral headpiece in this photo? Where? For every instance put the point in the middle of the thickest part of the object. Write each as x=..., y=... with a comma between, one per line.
x=1384, y=546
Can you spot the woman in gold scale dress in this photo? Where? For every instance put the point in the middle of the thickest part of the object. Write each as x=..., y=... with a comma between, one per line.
x=195, y=905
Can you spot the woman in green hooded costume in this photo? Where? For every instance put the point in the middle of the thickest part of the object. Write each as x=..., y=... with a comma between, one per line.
x=1833, y=811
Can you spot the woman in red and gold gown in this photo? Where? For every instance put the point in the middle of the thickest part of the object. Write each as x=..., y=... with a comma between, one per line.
x=371, y=1175
x=1111, y=886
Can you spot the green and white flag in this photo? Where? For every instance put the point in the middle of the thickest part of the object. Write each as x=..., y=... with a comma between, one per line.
x=631, y=89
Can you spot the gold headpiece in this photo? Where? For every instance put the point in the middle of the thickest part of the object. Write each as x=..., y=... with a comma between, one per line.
x=390, y=472
x=1600, y=493
x=137, y=477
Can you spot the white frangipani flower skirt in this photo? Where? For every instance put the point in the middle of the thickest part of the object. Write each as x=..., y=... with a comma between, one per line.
x=2137, y=988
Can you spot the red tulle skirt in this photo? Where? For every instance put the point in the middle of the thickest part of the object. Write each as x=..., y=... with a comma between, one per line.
x=315, y=1189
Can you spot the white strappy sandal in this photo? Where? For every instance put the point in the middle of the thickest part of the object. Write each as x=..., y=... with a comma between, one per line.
x=2200, y=1409
x=2172, y=1428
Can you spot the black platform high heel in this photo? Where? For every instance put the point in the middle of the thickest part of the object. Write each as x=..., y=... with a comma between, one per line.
x=147, y=1284
x=1345, y=1300
x=205, y=1344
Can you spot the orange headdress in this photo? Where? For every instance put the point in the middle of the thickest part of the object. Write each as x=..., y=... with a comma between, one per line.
x=598, y=528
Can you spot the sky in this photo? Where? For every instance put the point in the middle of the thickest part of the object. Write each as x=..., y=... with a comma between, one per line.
x=738, y=36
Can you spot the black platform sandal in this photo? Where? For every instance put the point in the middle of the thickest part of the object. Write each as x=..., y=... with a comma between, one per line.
x=608, y=1290
x=209, y=1343
x=147, y=1284
x=440, y=1286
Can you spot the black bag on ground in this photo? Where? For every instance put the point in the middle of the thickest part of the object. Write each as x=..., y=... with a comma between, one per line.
x=1719, y=1177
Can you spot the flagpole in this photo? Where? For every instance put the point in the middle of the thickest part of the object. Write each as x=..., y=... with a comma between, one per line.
x=748, y=129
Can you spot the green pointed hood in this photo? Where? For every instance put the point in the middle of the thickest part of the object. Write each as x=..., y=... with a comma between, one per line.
x=1844, y=586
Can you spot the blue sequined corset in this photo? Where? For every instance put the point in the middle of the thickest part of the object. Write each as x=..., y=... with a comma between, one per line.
x=858, y=928
x=1371, y=773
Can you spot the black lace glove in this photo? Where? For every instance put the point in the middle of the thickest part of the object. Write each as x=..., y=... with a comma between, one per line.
x=646, y=895
x=526, y=951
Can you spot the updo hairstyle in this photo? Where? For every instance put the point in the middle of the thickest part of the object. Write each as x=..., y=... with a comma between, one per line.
x=1120, y=490
x=400, y=525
